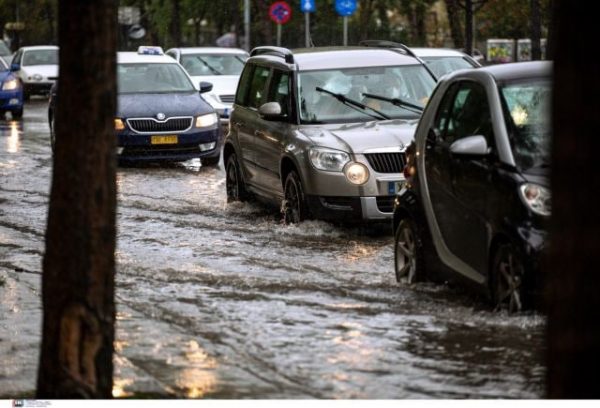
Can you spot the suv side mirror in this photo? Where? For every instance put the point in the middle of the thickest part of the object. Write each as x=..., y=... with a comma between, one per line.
x=205, y=87
x=471, y=146
x=14, y=67
x=270, y=111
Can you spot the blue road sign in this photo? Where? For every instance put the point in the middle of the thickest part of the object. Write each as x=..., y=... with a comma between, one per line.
x=345, y=8
x=307, y=6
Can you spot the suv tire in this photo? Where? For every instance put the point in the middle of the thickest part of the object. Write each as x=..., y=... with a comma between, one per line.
x=234, y=182
x=293, y=206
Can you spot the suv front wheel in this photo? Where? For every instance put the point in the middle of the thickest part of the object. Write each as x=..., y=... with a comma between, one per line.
x=294, y=206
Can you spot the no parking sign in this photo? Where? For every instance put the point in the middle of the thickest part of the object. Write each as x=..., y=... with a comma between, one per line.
x=280, y=12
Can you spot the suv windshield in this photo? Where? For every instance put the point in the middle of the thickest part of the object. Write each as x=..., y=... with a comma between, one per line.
x=528, y=121
x=409, y=83
x=40, y=57
x=152, y=78
x=213, y=64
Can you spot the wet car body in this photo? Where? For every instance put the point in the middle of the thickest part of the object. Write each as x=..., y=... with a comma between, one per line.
x=162, y=124
x=11, y=92
x=277, y=156
x=472, y=210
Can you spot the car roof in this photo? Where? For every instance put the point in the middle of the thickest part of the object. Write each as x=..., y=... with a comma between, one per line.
x=519, y=70
x=210, y=50
x=317, y=58
x=437, y=52
x=125, y=57
x=39, y=47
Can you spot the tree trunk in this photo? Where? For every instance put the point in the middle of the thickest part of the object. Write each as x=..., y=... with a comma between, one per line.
x=176, y=24
x=455, y=25
x=536, y=30
x=79, y=265
x=573, y=301
x=366, y=10
x=469, y=27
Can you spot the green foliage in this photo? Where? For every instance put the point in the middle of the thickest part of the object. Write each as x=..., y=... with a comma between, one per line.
x=508, y=19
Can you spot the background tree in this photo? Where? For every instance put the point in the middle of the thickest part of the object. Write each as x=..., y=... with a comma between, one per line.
x=454, y=21
x=470, y=7
x=79, y=264
x=573, y=301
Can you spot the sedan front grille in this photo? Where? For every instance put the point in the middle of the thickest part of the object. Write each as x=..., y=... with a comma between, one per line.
x=387, y=162
x=154, y=126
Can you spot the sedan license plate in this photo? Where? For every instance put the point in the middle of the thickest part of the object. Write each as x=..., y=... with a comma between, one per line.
x=170, y=139
x=395, y=186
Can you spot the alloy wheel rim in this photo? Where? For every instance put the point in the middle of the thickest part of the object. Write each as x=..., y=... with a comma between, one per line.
x=292, y=210
x=508, y=289
x=232, y=181
x=405, y=254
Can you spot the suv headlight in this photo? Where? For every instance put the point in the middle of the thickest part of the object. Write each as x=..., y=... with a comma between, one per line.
x=328, y=159
x=206, y=120
x=10, y=85
x=536, y=198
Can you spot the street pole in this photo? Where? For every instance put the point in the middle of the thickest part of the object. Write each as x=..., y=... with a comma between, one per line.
x=307, y=30
x=345, y=30
x=247, y=25
x=279, y=35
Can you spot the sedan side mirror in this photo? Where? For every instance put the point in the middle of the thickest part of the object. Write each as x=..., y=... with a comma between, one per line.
x=270, y=111
x=205, y=87
x=470, y=146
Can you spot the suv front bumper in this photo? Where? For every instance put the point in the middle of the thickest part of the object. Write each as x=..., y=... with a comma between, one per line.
x=351, y=209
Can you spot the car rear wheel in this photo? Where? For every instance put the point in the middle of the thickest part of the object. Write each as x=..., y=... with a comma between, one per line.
x=408, y=252
x=293, y=206
x=234, y=182
x=507, y=284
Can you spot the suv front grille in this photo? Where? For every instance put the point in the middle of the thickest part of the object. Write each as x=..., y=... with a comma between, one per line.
x=227, y=98
x=154, y=126
x=387, y=162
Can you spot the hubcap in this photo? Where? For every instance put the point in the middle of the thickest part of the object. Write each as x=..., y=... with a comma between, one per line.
x=291, y=203
x=405, y=254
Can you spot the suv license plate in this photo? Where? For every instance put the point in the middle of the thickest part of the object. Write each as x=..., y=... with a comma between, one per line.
x=395, y=186
x=170, y=139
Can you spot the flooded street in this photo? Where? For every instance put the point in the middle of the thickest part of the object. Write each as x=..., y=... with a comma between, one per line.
x=223, y=301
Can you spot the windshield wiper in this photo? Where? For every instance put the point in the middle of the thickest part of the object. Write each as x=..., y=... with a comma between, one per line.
x=398, y=102
x=353, y=104
x=213, y=69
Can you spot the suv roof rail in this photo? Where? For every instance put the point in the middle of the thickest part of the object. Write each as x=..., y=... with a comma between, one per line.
x=286, y=54
x=399, y=46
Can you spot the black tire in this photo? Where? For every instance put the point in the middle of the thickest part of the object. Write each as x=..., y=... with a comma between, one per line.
x=210, y=161
x=293, y=206
x=408, y=252
x=234, y=181
x=508, y=291
x=52, y=133
x=17, y=114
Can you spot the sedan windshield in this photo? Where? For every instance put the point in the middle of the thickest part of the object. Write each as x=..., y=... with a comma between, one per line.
x=40, y=57
x=408, y=83
x=527, y=116
x=152, y=78
x=444, y=65
x=213, y=64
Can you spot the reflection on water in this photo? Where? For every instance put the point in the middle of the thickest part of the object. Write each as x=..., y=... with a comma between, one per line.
x=13, y=130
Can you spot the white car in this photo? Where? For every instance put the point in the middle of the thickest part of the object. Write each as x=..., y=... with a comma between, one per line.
x=37, y=68
x=219, y=66
x=444, y=60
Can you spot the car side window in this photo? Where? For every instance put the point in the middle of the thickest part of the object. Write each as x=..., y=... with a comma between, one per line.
x=470, y=114
x=280, y=90
x=244, y=85
x=444, y=110
x=17, y=59
x=257, y=92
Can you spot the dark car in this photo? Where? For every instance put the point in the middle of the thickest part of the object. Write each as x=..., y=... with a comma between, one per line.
x=161, y=115
x=477, y=200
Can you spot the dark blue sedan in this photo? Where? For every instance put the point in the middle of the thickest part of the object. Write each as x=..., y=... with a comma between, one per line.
x=11, y=92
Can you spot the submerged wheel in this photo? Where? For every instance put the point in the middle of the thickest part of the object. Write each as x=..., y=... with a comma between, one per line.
x=408, y=252
x=507, y=285
x=293, y=206
x=234, y=182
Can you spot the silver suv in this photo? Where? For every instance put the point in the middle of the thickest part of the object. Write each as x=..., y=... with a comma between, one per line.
x=322, y=131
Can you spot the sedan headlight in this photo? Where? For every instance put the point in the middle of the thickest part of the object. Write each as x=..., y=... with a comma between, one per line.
x=10, y=85
x=119, y=125
x=206, y=120
x=356, y=173
x=328, y=159
x=536, y=198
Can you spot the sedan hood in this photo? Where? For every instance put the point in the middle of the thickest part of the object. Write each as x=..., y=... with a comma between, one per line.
x=363, y=137
x=222, y=84
x=47, y=71
x=171, y=104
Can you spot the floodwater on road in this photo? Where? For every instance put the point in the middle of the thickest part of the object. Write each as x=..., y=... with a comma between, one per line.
x=220, y=300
